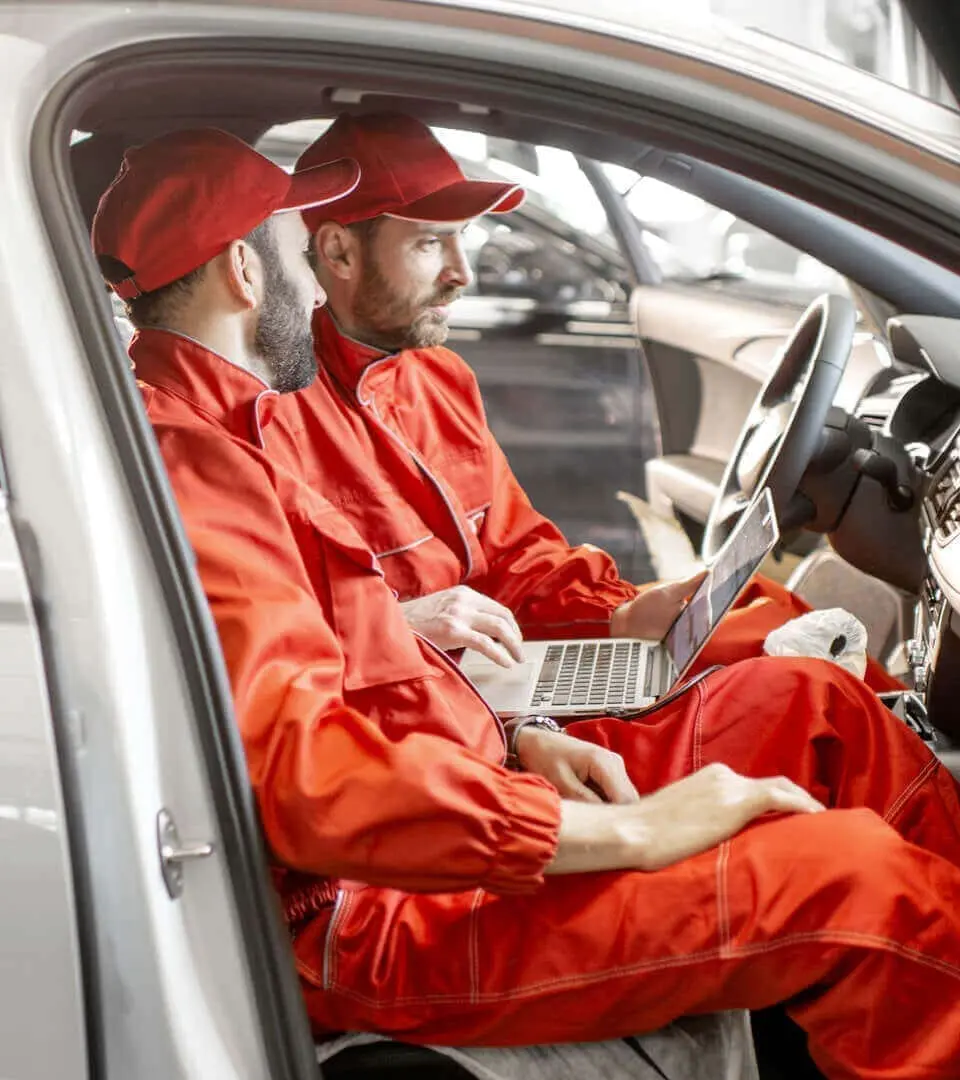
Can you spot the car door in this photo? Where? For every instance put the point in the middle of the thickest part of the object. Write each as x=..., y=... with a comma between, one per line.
x=41, y=977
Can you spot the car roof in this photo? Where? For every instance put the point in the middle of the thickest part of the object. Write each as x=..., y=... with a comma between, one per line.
x=704, y=37
x=749, y=51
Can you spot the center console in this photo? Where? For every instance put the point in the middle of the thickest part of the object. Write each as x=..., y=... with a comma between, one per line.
x=934, y=650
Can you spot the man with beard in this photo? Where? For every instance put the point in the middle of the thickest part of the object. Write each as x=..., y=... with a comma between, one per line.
x=227, y=298
x=408, y=454
x=221, y=295
x=433, y=893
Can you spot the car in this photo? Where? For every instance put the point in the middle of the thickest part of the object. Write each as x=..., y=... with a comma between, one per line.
x=141, y=937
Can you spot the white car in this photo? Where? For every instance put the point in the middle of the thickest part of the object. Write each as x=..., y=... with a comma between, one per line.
x=139, y=933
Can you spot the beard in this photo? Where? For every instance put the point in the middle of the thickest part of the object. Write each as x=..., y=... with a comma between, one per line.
x=392, y=322
x=284, y=333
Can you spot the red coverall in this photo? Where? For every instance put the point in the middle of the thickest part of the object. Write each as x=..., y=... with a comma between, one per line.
x=413, y=877
x=400, y=444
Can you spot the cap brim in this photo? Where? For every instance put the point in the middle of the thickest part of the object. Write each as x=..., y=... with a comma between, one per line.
x=320, y=185
x=463, y=201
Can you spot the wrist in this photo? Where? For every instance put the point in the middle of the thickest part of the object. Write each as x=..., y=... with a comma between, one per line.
x=518, y=726
x=631, y=837
x=597, y=837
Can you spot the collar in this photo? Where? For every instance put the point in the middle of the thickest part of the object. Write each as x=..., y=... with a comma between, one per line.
x=345, y=358
x=214, y=385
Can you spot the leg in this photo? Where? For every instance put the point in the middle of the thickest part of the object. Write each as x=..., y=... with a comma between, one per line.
x=806, y=719
x=763, y=607
x=835, y=913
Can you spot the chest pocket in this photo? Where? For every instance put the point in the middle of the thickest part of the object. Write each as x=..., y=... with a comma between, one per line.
x=378, y=646
x=377, y=643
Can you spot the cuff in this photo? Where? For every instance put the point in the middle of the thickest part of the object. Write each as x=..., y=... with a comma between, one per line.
x=531, y=833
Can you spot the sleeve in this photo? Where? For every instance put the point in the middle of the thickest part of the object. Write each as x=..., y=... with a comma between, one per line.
x=553, y=589
x=337, y=797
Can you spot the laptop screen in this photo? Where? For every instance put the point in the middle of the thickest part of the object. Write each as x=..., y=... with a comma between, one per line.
x=738, y=560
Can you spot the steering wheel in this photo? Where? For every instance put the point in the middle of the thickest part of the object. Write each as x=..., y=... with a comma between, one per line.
x=781, y=433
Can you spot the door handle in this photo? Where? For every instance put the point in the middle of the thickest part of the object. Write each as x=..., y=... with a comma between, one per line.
x=174, y=853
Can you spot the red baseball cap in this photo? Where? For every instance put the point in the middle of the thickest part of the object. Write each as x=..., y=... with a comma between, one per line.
x=405, y=173
x=179, y=200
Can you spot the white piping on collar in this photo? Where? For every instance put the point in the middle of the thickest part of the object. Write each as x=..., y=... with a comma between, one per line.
x=382, y=354
x=213, y=352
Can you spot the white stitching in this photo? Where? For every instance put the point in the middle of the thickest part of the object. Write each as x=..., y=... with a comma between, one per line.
x=475, y=947
x=910, y=790
x=845, y=937
x=723, y=899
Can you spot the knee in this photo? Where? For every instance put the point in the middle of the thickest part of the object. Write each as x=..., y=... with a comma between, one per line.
x=858, y=862
x=793, y=690
x=801, y=685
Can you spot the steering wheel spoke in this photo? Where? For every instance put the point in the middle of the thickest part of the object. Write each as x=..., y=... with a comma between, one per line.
x=730, y=508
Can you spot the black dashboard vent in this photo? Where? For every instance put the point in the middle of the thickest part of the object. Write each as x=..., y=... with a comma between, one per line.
x=945, y=500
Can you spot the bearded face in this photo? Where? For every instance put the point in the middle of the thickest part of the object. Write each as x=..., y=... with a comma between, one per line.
x=410, y=272
x=283, y=338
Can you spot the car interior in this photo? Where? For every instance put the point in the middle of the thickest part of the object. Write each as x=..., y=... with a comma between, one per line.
x=609, y=361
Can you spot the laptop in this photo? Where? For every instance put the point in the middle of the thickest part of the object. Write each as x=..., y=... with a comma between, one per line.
x=606, y=676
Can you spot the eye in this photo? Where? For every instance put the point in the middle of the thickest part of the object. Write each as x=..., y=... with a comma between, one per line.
x=427, y=243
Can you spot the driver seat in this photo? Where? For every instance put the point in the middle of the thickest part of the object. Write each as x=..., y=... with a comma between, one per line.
x=392, y=1061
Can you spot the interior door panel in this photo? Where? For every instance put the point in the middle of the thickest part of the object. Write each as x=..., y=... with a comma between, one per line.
x=708, y=352
x=707, y=355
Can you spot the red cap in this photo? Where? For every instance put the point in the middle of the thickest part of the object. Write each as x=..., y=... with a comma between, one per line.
x=404, y=172
x=179, y=200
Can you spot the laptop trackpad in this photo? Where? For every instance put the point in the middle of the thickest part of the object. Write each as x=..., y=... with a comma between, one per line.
x=507, y=689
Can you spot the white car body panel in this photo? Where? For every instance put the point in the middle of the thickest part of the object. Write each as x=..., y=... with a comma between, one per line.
x=180, y=1003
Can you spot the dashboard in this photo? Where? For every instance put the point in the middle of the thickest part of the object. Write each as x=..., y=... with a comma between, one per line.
x=917, y=404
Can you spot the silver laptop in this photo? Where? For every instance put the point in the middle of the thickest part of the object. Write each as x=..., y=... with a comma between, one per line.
x=604, y=676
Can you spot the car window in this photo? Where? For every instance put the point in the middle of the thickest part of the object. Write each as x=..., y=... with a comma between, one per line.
x=546, y=329
x=552, y=178
x=695, y=243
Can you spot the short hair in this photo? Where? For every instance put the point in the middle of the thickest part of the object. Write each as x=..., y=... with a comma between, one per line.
x=364, y=231
x=159, y=307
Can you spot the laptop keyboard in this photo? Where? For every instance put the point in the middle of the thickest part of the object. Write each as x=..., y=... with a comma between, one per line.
x=592, y=673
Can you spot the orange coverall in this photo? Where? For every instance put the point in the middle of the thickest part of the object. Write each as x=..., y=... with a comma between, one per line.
x=400, y=444
x=411, y=862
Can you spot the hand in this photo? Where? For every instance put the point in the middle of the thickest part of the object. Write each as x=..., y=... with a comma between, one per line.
x=461, y=618
x=709, y=806
x=651, y=614
x=680, y=820
x=571, y=764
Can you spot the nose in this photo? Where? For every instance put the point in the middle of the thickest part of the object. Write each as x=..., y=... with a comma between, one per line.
x=456, y=270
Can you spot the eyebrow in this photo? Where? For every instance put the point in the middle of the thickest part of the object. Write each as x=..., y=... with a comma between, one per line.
x=445, y=228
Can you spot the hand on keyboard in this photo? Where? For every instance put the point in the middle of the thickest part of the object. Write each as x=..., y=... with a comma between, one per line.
x=461, y=618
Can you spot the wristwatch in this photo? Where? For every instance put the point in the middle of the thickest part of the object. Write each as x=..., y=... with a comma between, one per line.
x=516, y=724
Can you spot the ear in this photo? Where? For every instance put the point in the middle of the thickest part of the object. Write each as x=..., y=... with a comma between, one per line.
x=337, y=251
x=243, y=274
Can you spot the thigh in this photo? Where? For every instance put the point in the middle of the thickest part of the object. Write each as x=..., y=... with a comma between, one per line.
x=599, y=956
x=805, y=719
